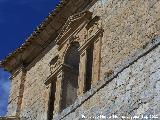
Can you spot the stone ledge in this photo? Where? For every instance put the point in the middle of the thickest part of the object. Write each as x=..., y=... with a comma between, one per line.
x=9, y=118
x=132, y=58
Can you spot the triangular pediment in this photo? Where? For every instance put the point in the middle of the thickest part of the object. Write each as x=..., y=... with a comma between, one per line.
x=71, y=25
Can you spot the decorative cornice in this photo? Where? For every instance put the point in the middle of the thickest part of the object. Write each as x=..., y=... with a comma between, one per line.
x=72, y=20
x=36, y=32
x=13, y=60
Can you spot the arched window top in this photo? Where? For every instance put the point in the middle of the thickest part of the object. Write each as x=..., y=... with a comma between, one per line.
x=71, y=72
x=72, y=56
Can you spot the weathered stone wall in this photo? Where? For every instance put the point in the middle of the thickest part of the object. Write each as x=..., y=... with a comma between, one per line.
x=129, y=27
x=36, y=94
x=14, y=94
x=135, y=91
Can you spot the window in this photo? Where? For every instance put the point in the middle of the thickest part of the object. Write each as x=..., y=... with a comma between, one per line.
x=51, y=100
x=89, y=64
x=71, y=72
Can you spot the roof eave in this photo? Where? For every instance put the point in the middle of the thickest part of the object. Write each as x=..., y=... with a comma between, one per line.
x=9, y=62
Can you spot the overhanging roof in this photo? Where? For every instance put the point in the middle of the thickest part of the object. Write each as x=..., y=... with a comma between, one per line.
x=54, y=21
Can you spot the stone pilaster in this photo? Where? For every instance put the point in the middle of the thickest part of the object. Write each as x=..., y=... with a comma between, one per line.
x=82, y=73
x=16, y=93
x=96, y=61
x=21, y=91
x=58, y=94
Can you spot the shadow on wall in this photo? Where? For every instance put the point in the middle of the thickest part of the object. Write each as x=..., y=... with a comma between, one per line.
x=4, y=91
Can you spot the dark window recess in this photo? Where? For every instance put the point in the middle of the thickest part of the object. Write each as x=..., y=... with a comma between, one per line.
x=89, y=64
x=54, y=60
x=70, y=79
x=51, y=100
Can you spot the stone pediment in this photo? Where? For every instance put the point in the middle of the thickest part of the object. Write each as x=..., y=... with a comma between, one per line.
x=71, y=25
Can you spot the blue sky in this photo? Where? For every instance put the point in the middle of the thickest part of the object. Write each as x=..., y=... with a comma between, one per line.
x=18, y=19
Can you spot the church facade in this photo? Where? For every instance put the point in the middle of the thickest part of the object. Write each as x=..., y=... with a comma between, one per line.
x=89, y=59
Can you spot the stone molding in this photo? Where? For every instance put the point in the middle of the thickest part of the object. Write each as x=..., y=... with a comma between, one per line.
x=9, y=118
x=74, y=19
x=78, y=26
x=85, y=22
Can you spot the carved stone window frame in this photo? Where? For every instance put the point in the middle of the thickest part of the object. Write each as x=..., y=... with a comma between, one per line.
x=67, y=36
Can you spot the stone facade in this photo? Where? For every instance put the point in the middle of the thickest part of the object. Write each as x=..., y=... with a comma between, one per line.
x=103, y=61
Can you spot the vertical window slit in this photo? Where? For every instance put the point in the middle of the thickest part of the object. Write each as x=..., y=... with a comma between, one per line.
x=89, y=64
x=51, y=100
